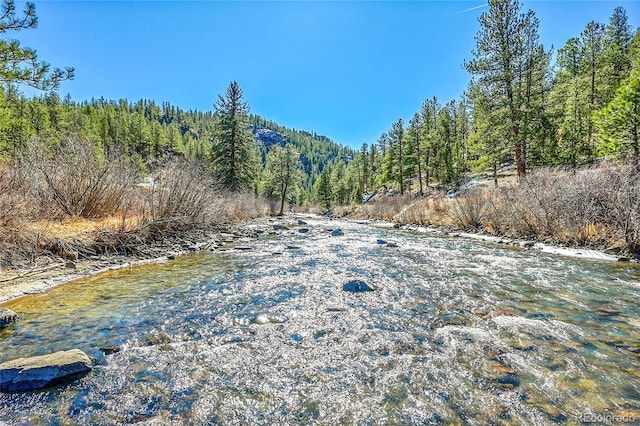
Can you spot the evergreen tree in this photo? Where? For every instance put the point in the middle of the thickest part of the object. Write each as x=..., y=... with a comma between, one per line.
x=619, y=122
x=618, y=36
x=324, y=193
x=20, y=64
x=282, y=172
x=234, y=158
x=339, y=184
x=505, y=63
x=428, y=118
x=414, y=149
x=394, y=159
x=487, y=145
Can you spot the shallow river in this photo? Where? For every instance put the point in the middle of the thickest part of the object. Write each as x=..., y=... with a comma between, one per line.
x=458, y=331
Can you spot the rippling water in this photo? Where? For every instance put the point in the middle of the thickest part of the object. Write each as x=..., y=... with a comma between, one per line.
x=268, y=336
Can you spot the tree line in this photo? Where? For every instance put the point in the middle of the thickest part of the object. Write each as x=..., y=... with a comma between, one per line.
x=520, y=107
x=523, y=105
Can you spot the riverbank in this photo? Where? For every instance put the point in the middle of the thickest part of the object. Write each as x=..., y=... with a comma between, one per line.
x=591, y=209
x=54, y=271
x=17, y=283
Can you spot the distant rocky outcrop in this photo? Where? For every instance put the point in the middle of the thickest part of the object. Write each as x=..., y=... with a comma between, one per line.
x=269, y=138
x=7, y=317
x=24, y=374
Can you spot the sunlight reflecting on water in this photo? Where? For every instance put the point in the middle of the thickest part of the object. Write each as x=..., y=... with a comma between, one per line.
x=457, y=331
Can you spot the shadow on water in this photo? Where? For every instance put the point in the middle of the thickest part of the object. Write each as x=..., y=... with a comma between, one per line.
x=456, y=331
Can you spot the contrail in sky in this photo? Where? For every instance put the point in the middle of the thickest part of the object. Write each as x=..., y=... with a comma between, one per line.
x=471, y=8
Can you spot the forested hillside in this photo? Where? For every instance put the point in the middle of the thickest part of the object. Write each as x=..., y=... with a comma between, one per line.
x=147, y=132
x=525, y=104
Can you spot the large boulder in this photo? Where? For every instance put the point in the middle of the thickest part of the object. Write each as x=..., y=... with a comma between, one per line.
x=7, y=317
x=24, y=374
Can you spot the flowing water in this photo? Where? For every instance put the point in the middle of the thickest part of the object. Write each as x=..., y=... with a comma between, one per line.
x=457, y=332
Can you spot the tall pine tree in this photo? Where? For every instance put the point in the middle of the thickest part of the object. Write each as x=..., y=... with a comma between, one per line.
x=234, y=156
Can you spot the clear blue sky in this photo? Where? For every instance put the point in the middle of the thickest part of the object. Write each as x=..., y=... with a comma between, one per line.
x=344, y=69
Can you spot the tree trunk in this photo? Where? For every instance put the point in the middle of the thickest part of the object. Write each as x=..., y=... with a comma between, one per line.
x=283, y=196
x=520, y=166
x=495, y=174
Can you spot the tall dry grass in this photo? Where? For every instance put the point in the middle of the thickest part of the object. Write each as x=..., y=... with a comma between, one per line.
x=598, y=206
x=73, y=178
x=68, y=199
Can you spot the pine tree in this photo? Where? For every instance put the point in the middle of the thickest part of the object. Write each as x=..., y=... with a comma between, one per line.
x=428, y=118
x=619, y=122
x=394, y=159
x=20, y=64
x=487, y=145
x=324, y=193
x=617, y=39
x=414, y=149
x=505, y=66
x=234, y=158
x=282, y=172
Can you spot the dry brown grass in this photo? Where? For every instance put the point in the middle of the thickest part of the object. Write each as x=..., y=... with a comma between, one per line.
x=69, y=201
x=597, y=207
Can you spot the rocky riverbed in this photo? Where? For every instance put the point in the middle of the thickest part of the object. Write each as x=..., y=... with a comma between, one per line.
x=276, y=325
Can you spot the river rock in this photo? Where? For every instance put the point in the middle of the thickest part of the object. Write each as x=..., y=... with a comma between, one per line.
x=301, y=222
x=110, y=349
x=498, y=313
x=356, y=286
x=278, y=227
x=607, y=312
x=24, y=374
x=381, y=242
x=337, y=233
x=7, y=317
x=303, y=230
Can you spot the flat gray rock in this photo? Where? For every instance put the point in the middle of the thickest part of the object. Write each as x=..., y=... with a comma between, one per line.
x=24, y=374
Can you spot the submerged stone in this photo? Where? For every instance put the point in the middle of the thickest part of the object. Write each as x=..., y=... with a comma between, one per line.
x=24, y=374
x=159, y=339
x=608, y=312
x=278, y=227
x=337, y=233
x=381, y=242
x=7, y=317
x=303, y=230
x=356, y=286
x=110, y=349
x=498, y=313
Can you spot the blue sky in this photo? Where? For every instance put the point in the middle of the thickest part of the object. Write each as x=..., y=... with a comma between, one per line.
x=345, y=69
